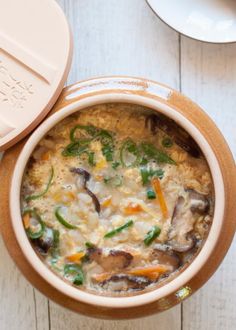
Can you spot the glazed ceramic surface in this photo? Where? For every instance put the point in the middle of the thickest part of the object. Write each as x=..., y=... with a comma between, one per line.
x=205, y=20
x=35, y=58
x=174, y=105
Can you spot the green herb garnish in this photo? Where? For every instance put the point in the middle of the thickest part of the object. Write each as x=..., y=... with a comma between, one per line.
x=89, y=245
x=89, y=129
x=143, y=161
x=107, y=152
x=152, y=235
x=105, y=137
x=151, y=194
x=129, y=149
x=147, y=174
x=76, y=270
x=36, y=196
x=75, y=149
x=115, y=181
x=119, y=229
x=33, y=213
x=91, y=158
x=61, y=219
x=152, y=153
x=167, y=142
x=56, y=241
x=115, y=165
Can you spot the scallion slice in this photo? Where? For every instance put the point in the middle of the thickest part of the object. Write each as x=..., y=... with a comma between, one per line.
x=62, y=220
x=36, y=196
x=119, y=229
x=34, y=214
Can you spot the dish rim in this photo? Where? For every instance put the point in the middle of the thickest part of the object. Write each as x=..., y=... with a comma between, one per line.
x=207, y=41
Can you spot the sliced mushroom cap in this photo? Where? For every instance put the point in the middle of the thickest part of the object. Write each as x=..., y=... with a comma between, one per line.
x=178, y=134
x=199, y=203
x=182, y=225
x=86, y=177
x=124, y=282
x=168, y=258
x=187, y=243
x=45, y=242
x=114, y=260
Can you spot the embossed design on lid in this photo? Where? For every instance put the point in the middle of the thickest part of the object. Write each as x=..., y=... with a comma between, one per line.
x=35, y=57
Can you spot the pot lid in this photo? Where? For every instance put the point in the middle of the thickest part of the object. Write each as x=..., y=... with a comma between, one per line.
x=35, y=58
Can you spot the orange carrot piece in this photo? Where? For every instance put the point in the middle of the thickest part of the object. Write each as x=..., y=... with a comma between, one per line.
x=106, y=202
x=76, y=257
x=101, y=277
x=46, y=155
x=71, y=195
x=158, y=190
x=133, y=209
x=151, y=272
x=26, y=220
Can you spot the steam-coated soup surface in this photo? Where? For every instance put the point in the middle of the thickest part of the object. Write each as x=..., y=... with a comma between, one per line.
x=117, y=199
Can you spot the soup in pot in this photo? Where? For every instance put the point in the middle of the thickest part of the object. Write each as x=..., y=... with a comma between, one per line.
x=117, y=199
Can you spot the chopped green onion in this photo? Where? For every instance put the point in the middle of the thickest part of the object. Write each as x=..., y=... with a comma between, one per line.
x=167, y=142
x=75, y=149
x=119, y=229
x=36, y=196
x=105, y=137
x=147, y=174
x=91, y=130
x=115, y=165
x=151, y=194
x=152, y=153
x=36, y=216
x=73, y=269
x=152, y=235
x=129, y=147
x=56, y=240
x=79, y=278
x=107, y=152
x=61, y=219
x=107, y=179
x=115, y=181
x=89, y=245
x=91, y=159
x=143, y=161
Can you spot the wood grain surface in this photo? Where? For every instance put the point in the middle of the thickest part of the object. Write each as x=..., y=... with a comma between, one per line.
x=125, y=37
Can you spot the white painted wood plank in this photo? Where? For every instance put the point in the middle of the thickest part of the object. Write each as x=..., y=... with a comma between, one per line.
x=209, y=77
x=17, y=308
x=42, y=311
x=62, y=319
x=119, y=37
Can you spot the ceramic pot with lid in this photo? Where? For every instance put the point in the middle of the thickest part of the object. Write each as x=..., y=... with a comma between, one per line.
x=74, y=98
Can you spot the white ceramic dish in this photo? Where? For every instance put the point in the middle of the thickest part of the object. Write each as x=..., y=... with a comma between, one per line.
x=206, y=20
x=115, y=302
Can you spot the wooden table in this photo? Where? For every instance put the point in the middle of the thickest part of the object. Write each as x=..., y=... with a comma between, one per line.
x=125, y=37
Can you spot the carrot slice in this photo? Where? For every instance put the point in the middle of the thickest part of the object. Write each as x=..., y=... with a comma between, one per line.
x=106, y=202
x=101, y=277
x=76, y=257
x=26, y=220
x=70, y=195
x=46, y=155
x=133, y=209
x=157, y=187
x=151, y=272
